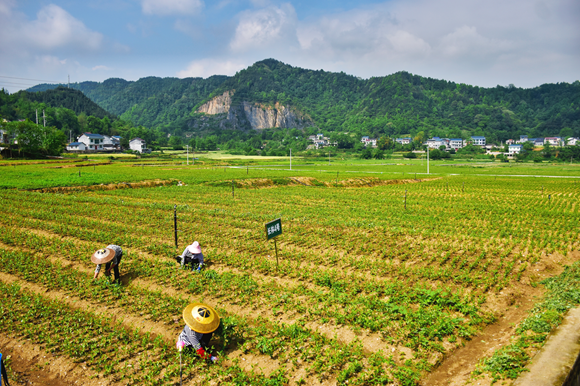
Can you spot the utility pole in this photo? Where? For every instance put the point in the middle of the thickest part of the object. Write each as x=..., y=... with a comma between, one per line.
x=290, y=159
x=44, y=118
x=187, y=147
x=427, y=159
x=328, y=157
x=37, y=116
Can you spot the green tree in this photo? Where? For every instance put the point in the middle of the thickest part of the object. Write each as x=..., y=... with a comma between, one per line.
x=176, y=142
x=366, y=154
x=35, y=140
x=528, y=146
x=385, y=143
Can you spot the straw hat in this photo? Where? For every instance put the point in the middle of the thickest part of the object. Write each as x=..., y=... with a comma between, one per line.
x=194, y=248
x=201, y=318
x=103, y=256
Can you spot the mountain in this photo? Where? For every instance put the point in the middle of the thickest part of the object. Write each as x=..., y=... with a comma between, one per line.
x=150, y=101
x=273, y=94
x=70, y=99
x=56, y=103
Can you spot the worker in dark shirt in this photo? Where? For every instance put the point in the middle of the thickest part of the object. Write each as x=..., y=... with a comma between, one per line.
x=192, y=255
x=111, y=257
x=200, y=322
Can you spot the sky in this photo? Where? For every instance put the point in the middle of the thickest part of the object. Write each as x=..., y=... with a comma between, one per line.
x=478, y=42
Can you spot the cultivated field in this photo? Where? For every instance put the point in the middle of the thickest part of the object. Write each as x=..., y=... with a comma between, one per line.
x=366, y=291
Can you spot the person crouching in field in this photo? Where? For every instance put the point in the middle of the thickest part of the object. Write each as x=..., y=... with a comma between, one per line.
x=111, y=257
x=201, y=321
x=192, y=255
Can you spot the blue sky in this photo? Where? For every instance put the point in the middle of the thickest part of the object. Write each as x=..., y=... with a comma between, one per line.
x=479, y=42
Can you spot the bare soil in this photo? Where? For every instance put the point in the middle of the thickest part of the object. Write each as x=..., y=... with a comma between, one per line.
x=122, y=185
x=456, y=368
x=30, y=365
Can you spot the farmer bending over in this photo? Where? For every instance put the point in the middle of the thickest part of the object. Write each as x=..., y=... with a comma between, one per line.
x=192, y=255
x=111, y=255
x=200, y=322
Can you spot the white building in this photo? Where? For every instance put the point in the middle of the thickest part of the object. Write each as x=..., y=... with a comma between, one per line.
x=553, y=141
x=523, y=138
x=369, y=141
x=478, y=140
x=515, y=149
x=137, y=144
x=92, y=142
x=404, y=141
x=76, y=146
x=111, y=143
x=436, y=142
x=572, y=141
x=456, y=143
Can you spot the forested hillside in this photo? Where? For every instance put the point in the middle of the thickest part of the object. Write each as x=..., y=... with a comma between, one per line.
x=150, y=101
x=403, y=103
x=393, y=105
x=68, y=113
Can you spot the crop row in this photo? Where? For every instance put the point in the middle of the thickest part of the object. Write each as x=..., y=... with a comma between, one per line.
x=288, y=343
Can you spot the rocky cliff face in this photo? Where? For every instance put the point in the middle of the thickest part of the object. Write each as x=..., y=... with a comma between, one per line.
x=253, y=115
x=218, y=105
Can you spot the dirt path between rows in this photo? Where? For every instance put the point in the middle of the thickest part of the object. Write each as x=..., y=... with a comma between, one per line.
x=32, y=366
x=456, y=369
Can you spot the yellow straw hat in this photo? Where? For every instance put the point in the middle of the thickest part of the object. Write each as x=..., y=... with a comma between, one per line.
x=201, y=318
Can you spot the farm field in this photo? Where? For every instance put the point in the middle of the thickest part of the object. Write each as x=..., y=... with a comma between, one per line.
x=366, y=291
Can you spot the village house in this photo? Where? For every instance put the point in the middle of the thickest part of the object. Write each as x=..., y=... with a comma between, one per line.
x=515, y=149
x=571, y=141
x=523, y=139
x=553, y=141
x=366, y=140
x=478, y=140
x=139, y=145
x=436, y=142
x=93, y=142
x=456, y=143
x=319, y=141
x=76, y=146
x=537, y=141
x=111, y=143
x=404, y=141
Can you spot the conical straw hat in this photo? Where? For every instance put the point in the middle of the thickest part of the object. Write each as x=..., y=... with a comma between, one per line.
x=201, y=318
x=103, y=256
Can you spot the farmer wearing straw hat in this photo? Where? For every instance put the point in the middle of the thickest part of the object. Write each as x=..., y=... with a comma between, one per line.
x=192, y=255
x=111, y=255
x=201, y=321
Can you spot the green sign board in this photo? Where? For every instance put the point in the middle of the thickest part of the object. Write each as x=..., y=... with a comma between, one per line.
x=273, y=228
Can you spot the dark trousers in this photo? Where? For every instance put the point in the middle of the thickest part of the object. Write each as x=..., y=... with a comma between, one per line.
x=115, y=268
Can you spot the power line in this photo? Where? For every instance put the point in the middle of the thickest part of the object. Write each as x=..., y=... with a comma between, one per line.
x=20, y=84
x=37, y=80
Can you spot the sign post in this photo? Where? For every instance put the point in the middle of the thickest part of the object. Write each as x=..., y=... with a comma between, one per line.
x=175, y=225
x=274, y=229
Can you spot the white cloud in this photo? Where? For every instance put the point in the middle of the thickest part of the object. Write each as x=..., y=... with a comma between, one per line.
x=264, y=28
x=208, y=67
x=467, y=42
x=53, y=29
x=171, y=7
